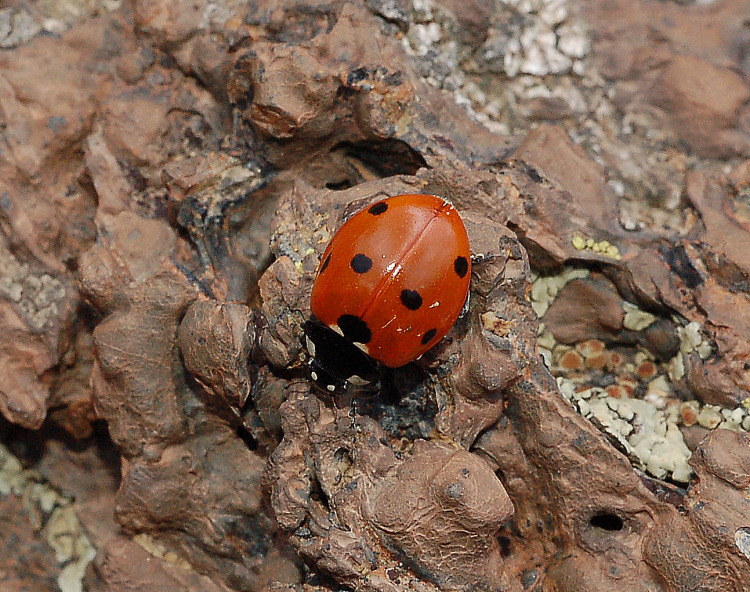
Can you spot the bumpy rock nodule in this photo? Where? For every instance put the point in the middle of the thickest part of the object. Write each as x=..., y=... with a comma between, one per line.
x=472, y=471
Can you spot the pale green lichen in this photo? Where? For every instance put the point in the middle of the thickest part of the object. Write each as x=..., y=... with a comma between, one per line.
x=647, y=428
x=154, y=547
x=690, y=337
x=650, y=436
x=676, y=368
x=691, y=340
x=37, y=297
x=636, y=319
x=46, y=508
x=709, y=417
x=603, y=247
x=742, y=540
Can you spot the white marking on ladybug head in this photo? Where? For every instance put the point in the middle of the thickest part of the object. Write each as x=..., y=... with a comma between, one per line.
x=358, y=380
x=337, y=329
x=314, y=375
x=310, y=346
x=362, y=346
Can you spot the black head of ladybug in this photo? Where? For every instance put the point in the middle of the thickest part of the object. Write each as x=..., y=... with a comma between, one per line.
x=336, y=364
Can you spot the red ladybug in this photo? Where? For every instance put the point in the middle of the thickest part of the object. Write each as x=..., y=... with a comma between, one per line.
x=390, y=285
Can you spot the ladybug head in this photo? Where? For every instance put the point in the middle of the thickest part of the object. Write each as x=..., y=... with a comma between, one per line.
x=336, y=364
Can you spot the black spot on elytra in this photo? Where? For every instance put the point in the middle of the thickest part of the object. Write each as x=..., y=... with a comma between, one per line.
x=378, y=208
x=325, y=264
x=461, y=265
x=411, y=299
x=361, y=263
x=354, y=328
x=427, y=337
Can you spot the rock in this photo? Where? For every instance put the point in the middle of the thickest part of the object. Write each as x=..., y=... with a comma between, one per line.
x=114, y=571
x=584, y=309
x=550, y=150
x=217, y=341
x=171, y=173
x=703, y=102
x=383, y=503
x=720, y=462
x=445, y=492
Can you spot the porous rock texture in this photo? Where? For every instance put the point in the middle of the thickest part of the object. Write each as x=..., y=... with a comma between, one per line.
x=170, y=173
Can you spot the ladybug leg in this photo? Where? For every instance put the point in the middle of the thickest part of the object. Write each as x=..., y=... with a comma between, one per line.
x=344, y=402
x=353, y=414
x=465, y=308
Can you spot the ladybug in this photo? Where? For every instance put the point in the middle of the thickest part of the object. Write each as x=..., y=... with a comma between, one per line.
x=390, y=285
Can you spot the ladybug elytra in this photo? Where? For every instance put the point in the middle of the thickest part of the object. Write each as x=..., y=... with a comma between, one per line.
x=390, y=285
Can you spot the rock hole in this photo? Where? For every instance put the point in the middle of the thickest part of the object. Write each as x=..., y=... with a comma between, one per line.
x=505, y=549
x=318, y=494
x=340, y=185
x=679, y=262
x=607, y=521
x=343, y=460
x=244, y=434
x=385, y=157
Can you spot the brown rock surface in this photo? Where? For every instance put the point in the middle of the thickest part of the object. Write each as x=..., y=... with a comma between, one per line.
x=114, y=571
x=721, y=463
x=586, y=309
x=556, y=157
x=28, y=564
x=687, y=62
x=170, y=174
x=703, y=101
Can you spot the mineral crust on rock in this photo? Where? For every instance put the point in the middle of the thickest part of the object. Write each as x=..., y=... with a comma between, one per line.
x=170, y=175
